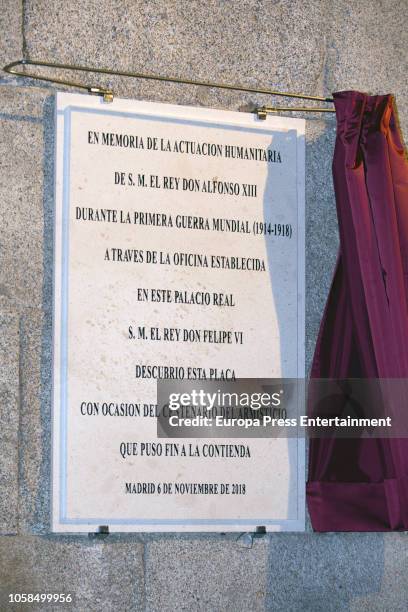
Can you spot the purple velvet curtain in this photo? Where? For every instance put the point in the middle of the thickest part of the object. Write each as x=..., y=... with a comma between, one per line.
x=362, y=484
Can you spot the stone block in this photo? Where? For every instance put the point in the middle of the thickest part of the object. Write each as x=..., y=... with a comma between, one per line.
x=275, y=45
x=35, y=421
x=367, y=49
x=100, y=574
x=206, y=573
x=11, y=28
x=9, y=420
x=26, y=195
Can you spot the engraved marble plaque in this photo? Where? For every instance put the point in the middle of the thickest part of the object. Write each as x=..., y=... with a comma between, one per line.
x=179, y=253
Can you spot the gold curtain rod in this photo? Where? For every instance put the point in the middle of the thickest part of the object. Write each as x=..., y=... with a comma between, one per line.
x=108, y=94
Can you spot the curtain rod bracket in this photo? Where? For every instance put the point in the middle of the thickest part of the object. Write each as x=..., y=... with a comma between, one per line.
x=108, y=94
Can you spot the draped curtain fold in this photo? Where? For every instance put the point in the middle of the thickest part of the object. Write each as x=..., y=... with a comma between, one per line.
x=362, y=484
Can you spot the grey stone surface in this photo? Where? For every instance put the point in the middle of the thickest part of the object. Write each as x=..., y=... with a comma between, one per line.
x=101, y=574
x=328, y=572
x=26, y=153
x=392, y=587
x=367, y=49
x=206, y=573
x=317, y=46
x=11, y=28
x=272, y=44
x=300, y=573
x=9, y=421
x=35, y=420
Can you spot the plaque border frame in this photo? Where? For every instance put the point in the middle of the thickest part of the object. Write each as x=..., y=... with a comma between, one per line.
x=65, y=104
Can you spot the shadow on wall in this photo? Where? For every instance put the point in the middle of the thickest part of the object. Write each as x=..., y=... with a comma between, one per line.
x=282, y=261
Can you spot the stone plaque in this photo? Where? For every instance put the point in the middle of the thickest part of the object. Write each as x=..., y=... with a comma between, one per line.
x=179, y=253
